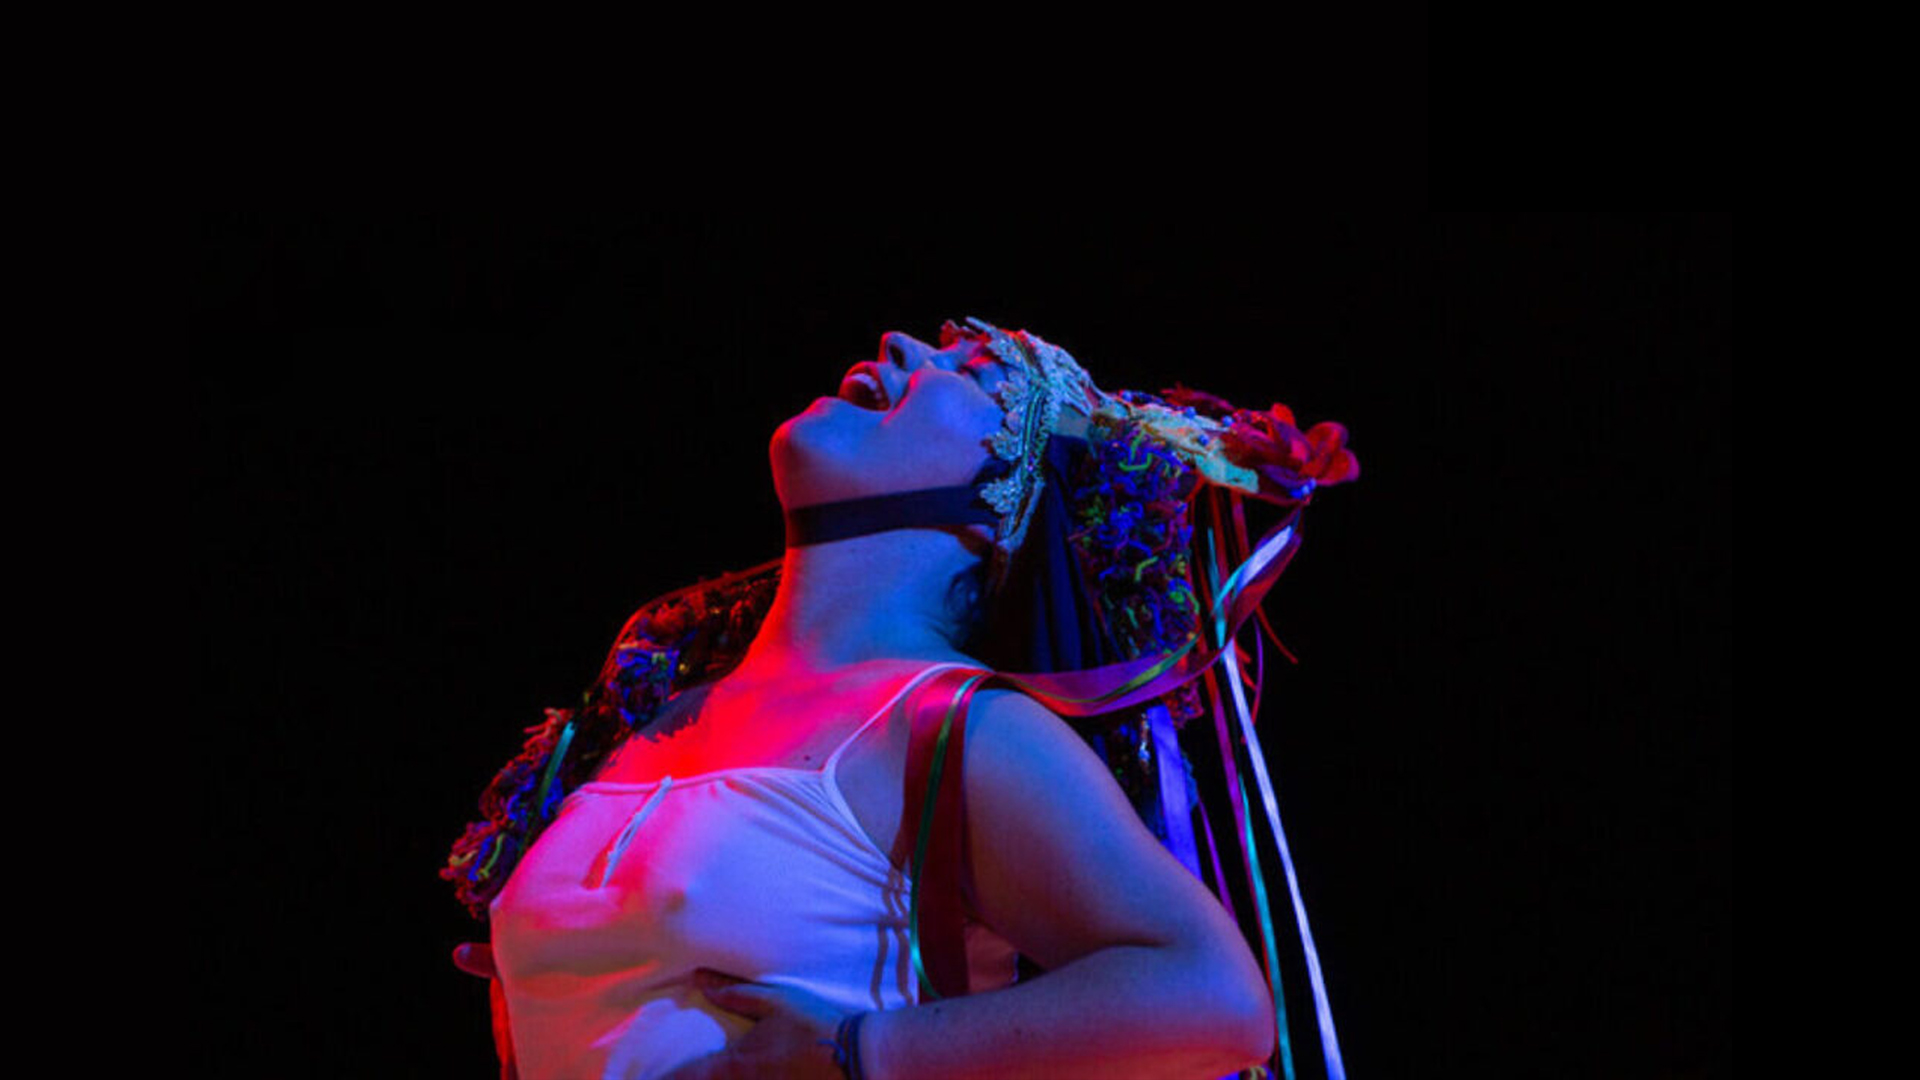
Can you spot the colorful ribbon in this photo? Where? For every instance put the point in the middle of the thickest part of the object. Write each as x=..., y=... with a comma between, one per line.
x=1235, y=598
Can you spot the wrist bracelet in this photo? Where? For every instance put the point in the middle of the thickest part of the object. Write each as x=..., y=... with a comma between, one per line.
x=846, y=1046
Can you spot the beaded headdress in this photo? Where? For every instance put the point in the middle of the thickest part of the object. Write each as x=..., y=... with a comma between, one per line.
x=1047, y=392
x=1042, y=381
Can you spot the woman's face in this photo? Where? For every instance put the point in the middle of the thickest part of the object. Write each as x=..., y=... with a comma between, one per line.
x=917, y=416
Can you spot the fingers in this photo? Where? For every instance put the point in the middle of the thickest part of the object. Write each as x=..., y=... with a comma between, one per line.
x=736, y=995
x=705, y=1067
x=475, y=958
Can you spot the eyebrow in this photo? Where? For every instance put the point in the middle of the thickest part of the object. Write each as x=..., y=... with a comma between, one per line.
x=988, y=355
x=999, y=365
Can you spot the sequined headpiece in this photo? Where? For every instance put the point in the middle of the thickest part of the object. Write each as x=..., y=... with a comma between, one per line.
x=1043, y=381
x=1047, y=392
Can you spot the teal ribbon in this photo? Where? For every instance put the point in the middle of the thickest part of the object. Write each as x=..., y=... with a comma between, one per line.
x=553, y=770
x=1267, y=939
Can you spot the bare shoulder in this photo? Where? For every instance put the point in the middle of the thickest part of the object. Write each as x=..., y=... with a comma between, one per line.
x=1023, y=757
x=1062, y=865
x=1011, y=737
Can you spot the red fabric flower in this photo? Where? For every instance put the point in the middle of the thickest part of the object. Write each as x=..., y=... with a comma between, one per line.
x=1271, y=445
x=1332, y=462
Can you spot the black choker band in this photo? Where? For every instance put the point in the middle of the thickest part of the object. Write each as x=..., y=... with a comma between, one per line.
x=957, y=505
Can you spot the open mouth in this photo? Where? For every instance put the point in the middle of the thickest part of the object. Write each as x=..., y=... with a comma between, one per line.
x=863, y=387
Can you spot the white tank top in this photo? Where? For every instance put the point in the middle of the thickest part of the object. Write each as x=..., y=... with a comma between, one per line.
x=761, y=872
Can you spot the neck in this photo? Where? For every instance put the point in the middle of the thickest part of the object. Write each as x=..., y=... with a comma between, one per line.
x=882, y=596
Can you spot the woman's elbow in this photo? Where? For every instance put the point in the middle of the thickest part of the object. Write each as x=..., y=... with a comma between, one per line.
x=1261, y=1036
x=1252, y=1032
x=1245, y=1005
x=1237, y=1037
x=1236, y=1008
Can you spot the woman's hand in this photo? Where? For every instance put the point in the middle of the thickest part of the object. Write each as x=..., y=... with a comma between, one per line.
x=476, y=958
x=793, y=1035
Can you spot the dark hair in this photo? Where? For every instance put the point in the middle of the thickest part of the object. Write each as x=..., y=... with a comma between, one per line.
x=681, y=640
x=1102, y=577
x=966, y=603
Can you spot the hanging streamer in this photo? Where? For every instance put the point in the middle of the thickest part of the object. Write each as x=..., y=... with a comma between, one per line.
x=1330, y=1044
x=1269, y=941
x=1176, y=796
x=1243, y=821
x=1256, y=756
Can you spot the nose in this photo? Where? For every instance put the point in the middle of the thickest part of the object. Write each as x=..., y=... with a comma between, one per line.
x=910, y=354
x=904, y=351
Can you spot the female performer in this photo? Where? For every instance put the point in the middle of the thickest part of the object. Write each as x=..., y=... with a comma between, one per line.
x=911, y=801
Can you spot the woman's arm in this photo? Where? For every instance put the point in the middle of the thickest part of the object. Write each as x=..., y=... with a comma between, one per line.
x=1147, y=974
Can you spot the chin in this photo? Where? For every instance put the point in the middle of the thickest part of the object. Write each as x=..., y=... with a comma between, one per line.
x=815, y=455
x=834, y=450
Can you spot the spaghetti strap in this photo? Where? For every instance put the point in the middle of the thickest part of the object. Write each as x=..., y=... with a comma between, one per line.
x=833, y=760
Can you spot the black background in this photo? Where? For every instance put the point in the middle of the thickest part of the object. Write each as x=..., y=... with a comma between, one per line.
x=443, y=458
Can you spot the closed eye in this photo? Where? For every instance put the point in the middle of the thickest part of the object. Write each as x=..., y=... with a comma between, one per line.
x=985, y=372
